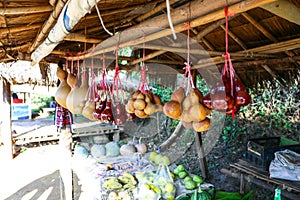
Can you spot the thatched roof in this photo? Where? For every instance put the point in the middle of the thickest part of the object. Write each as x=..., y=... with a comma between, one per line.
x=264, y=35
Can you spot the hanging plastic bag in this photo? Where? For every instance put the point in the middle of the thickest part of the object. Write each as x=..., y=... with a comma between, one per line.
x=286, y=165
x=164, y=182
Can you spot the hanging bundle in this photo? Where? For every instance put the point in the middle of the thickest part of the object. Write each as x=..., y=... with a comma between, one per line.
x=229, y=94
x=188, y=108
x=143, y=102
x=76, y=98
x=106, y=102
x=118, y=95
x=90, y=104
x=63, y=89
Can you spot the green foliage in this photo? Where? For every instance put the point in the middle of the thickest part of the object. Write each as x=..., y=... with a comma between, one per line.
x=163, y=92
x=276, y=105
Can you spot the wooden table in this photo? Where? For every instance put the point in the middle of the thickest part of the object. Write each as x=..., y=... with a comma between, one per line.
x=246, y=171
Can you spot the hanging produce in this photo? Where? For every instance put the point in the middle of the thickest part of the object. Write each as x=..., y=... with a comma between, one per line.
x=63, y=88
x=90, y=104
x=103, y=111
x=117, y=96
x=143, y=102
x=76, y=98
x=189, y=109
x=229, y=94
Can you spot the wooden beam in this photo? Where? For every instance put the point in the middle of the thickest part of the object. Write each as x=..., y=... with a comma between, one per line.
x=259, y=27
x=25, y=10
x=147, y=57
x=17, y=48
x=277, y=47
x=5, y=118
x=200, y=51
x=234, y=37
x=81, y=38
x=212, y=27
x=284, y=9
x=264, y=31
x=154, y=11
x=275, y=61
x=7, y=30
x=187, y=11
x=216, y=15
x=48, y=25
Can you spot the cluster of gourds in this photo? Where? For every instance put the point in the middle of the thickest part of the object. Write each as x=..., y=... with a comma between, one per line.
x=69, y=94
x=189, y=109
x=143, y=104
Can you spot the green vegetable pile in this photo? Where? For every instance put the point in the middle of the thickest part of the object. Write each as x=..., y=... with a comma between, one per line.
x=190, y=183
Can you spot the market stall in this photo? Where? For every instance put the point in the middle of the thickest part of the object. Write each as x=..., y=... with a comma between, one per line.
x=154, y=46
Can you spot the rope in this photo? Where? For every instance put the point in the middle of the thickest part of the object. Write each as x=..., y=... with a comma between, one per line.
x=102, y=23
x=170, y=19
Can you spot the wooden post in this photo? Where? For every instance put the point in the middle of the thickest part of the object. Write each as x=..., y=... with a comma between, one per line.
x=198, y=141
x=5, y=120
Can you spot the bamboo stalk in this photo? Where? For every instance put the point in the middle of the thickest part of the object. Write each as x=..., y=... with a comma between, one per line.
x=154, y=10
x=25, y=10
x=235, y=38
x=48, y=24
x=216, y=15
x=81, y=38
x=17, y=48
x=147, y=57
x=4, y=31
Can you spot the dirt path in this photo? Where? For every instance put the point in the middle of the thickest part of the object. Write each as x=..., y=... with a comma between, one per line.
x=33, y=174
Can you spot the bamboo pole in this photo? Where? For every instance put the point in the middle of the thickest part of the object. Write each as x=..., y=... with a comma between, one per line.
x=25, y=10
x=81, y=38
x=48, y=25
x=154, y=10
x=17, y=48
x=147, y=57
x=271, y=48
x=216, y=15
x=9, y=30
x=202, y=52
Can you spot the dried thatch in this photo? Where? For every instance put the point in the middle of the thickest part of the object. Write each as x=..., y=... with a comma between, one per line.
x=264, y=43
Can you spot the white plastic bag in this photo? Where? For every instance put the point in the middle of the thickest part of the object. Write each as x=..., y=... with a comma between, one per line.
x=286, y=165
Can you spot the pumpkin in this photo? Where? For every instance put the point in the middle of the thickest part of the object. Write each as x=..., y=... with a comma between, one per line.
x=127, y=149
x=141, y=147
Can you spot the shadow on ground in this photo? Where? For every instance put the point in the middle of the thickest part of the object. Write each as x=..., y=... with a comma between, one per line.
x=44, y=188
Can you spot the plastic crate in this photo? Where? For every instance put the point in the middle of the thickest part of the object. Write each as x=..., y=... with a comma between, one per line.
x=260, y=151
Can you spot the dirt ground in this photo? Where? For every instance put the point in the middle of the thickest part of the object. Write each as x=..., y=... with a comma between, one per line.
x=34, y=174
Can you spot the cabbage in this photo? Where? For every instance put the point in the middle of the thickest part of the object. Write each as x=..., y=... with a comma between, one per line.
x=81, y=151
x=98, y=150
x=112, y=149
